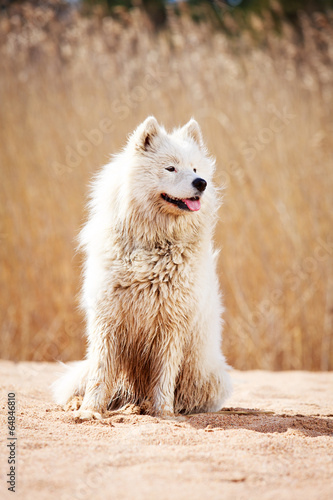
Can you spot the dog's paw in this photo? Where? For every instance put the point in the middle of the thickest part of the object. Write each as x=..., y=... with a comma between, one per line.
x=82, y=415
x=165, y=412
x=74, y=404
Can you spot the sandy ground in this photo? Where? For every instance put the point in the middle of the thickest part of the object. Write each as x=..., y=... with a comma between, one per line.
x=274, y=440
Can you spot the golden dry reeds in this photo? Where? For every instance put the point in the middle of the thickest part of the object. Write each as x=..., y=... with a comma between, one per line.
x=72, y=88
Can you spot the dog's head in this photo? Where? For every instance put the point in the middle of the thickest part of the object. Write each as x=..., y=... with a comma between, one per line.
x=172, y=172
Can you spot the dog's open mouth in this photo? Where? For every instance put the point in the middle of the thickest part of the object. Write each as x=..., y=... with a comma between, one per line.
x=191, y=204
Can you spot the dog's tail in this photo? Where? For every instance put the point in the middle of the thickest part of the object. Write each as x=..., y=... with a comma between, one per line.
x=71, y=383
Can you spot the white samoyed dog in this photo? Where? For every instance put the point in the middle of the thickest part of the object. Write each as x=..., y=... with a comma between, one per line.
x=150, y=290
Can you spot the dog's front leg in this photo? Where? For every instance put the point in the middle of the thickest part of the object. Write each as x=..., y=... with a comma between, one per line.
x=165, y=389
x=100, y=379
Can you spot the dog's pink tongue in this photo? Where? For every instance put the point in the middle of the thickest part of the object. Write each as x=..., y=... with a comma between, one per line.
x=193, y=205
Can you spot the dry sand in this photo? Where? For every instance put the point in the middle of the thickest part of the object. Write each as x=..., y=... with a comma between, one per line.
x=284, y=450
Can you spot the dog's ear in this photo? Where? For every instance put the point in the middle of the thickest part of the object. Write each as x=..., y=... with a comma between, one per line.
x=193, y=131
x=146, y=133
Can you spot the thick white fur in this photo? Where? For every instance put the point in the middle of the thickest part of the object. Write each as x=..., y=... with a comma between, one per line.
x=72, y=382
x=150, y=290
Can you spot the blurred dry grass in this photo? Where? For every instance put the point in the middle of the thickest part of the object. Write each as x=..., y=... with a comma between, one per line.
x=72, y=88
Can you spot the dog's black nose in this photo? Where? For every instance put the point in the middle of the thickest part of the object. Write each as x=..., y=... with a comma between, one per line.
x=200, y=184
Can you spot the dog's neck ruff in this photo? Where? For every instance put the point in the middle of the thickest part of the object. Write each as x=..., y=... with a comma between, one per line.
x=161, y=231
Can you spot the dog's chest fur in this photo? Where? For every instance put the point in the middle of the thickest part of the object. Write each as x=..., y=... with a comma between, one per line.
x=151, y=301
x=159, y=276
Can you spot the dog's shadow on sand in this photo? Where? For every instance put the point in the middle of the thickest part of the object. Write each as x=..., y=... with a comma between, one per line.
x=227, y=419
x=262, y=421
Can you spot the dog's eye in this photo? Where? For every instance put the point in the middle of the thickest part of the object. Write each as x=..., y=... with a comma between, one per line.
x=171, y=169
x=195, y=170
